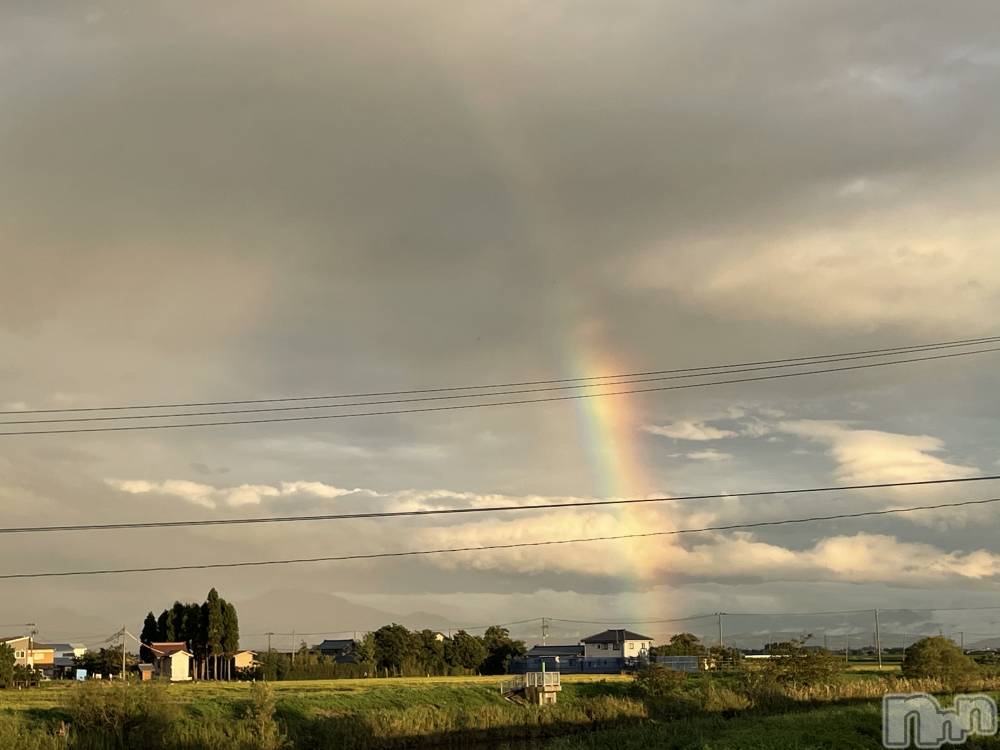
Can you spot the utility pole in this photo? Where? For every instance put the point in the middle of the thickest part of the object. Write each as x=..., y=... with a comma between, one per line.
x=847, y=649
x=826, y=642
x=123, y=653
x=719, y=616
x=268, y=641
x=878, y=641
x=545, y=631
x=293, y=647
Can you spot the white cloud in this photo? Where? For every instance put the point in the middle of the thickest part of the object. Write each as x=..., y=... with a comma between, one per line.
x=873, y=456
x=876, y=272
x=709, y=455
x=211, y=497
x=696, y=431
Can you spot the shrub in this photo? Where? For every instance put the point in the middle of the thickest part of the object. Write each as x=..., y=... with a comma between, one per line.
x=657, y=680
x=263, y=727
x=939, y=658
x=793, y=664
x=125, y=716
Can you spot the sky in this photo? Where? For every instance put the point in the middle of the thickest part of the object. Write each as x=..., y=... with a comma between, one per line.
x=231, y=202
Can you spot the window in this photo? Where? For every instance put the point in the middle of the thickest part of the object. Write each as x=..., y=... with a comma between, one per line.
x=18, y=654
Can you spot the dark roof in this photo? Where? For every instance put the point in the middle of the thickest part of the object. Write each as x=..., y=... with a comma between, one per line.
x=576, y=650
x=168, y=648
x=335, y=644
x=616, y=636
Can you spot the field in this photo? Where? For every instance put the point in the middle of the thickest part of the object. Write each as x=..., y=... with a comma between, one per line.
x=594, y=713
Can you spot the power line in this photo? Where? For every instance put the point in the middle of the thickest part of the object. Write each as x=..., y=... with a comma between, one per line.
x=804, y=360
x=487, y=509
x=512, y=402
x=483, y=548
x=420, y=399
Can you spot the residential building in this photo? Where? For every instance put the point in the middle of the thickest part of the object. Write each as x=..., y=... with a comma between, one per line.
x=617, y=644
x=554, y=658
x=244, y=660
x=173, y=660
x=336, y=648
x=28, y=653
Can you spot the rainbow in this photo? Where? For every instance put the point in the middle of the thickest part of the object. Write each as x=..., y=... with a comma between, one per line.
x=612, y=449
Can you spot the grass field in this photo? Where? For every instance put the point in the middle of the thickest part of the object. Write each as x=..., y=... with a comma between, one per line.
x=593, y=713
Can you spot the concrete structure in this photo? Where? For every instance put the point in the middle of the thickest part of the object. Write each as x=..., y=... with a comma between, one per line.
x=173, y=660
x=537, y=688
x=617, y=644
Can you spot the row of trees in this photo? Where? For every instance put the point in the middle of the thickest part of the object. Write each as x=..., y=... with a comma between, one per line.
x=395, y=650
x=211, y=631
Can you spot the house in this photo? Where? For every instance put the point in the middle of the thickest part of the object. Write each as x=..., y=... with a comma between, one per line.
x=336, y=647
x=173, y=660
x=617, y=644
x=244, y=660
x=553, y=658
x=64, y=663
x=340, y=650
x=28, y=653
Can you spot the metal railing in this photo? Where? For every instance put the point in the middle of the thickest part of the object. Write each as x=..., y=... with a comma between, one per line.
x=542, y=679
x=530, y=680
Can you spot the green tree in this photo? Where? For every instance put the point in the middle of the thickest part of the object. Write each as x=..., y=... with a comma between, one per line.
x=393, y=647
x=365, y=652
x=792, y=662
x=940, y=658
x=6, y=665
x=165, y=625
x=500, y=649
x=230, y=634
x=213, y=629
x=465, y=651
x=428, y=653
x=682, y=644
x=150, y=633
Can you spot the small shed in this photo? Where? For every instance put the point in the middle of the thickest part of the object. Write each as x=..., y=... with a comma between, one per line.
x=146, y=672
x=173, y=660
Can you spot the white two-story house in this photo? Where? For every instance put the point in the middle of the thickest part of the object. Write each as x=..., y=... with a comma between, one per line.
x=616, y=644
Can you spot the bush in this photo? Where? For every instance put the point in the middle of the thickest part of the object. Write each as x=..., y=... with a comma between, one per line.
x=263, y=727
x=794, y=664
x=657, y=680
x=939, y=658
x=124, y=716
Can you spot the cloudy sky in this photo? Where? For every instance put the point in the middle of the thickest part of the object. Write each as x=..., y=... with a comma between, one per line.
x=238, y=202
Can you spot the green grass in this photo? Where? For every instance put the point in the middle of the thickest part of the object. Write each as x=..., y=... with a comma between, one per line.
x=704, y=712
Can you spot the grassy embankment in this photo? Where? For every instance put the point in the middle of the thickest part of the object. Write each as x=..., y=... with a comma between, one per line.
x=720, y=711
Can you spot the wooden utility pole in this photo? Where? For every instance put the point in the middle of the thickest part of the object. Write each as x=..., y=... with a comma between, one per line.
x=719, y=616
x=878, y=641
x=847, y=649
x=123, y=652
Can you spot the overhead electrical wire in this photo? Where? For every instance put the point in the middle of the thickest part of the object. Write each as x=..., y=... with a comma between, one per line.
x=486, y=509
x=618, y=380
x=511, y=402
x=313, y=407
x=488, y=547
x=804, y=360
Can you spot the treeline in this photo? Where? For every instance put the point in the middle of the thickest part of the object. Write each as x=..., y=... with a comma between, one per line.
x=211, y=631
x=395, y=651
